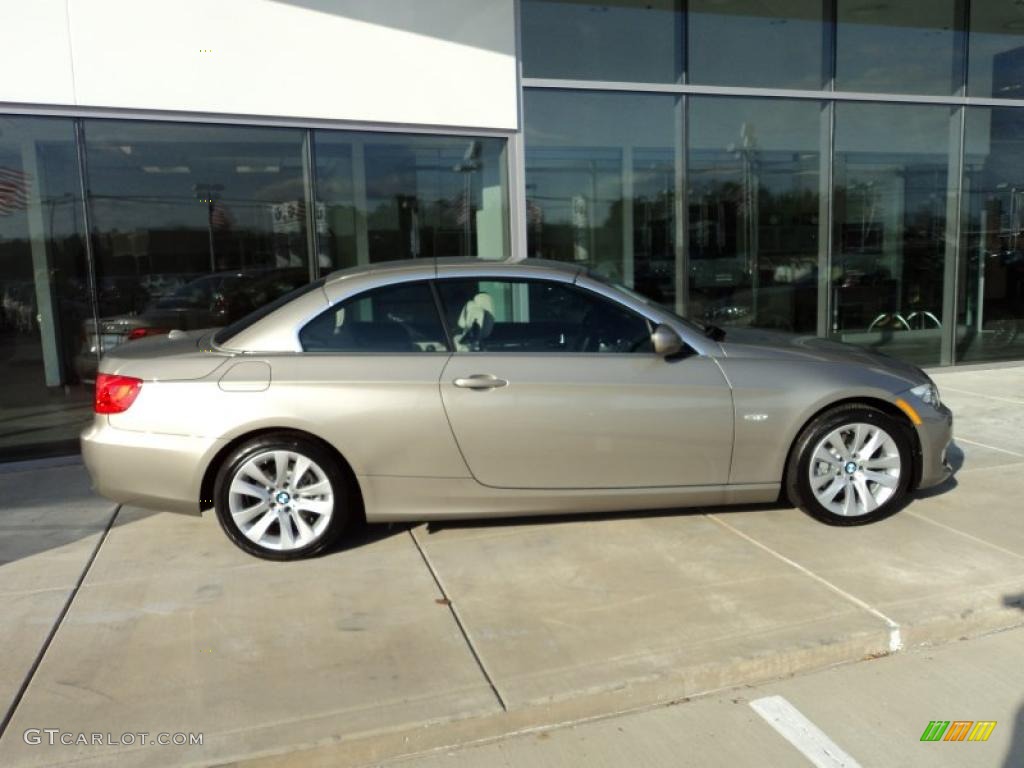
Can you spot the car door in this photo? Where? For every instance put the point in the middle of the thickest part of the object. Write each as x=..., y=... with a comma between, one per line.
x=552, y=386
x=367, y=378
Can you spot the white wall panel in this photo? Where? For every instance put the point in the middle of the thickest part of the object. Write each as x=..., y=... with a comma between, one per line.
x=434, y=62
x=35, y=59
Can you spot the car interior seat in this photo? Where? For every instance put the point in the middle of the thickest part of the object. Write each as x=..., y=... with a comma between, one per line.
x=475, y=323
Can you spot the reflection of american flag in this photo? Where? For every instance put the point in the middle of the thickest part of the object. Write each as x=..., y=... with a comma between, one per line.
x=14, y=186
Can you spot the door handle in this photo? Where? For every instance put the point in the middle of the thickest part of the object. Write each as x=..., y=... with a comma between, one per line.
x=480, y=381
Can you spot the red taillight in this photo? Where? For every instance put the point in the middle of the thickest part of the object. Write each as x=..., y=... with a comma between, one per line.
x=115, y=394
x=139, y=333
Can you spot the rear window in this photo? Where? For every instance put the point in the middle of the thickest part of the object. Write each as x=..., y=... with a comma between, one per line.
x=228, y=332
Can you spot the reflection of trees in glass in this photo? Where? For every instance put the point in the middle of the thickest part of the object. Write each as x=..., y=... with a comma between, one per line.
x=423, y=202
x=409, y=226
x=654, y=234
x=787, y=224
x=753, y=239
x=140, y=234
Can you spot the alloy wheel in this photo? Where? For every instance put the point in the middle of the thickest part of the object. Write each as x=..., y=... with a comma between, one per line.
x=855, y=469
x=281, y=500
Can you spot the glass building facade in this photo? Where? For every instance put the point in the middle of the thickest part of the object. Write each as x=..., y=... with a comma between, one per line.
x=113, y=230
x=842, y=168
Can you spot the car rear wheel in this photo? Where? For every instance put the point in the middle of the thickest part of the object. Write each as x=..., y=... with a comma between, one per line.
x=282, y=497
x=851, y=465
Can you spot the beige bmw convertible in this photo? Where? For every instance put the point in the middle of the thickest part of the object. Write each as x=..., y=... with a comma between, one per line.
x=456, y=389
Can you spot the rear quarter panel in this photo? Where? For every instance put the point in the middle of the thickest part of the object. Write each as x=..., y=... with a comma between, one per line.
x=382, y=412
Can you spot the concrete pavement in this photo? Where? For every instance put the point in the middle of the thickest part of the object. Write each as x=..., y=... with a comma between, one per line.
x=412, y=639
x=875, y=712
x=49, y=530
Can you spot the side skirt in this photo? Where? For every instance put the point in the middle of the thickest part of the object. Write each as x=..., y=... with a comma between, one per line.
x=393, y=499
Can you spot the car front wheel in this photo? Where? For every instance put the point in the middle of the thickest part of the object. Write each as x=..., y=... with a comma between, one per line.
x=852, y=465
x=282, y=497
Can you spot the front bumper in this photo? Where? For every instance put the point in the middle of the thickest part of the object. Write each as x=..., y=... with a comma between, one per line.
x=936, y=434
x=154, y=471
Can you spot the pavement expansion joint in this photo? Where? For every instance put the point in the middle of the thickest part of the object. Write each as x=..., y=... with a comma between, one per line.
x=56, y=625
x=447, y=601
x=895, y=637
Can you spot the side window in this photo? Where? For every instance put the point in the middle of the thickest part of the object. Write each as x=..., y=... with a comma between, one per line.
x=396, y=318
x=538, y=316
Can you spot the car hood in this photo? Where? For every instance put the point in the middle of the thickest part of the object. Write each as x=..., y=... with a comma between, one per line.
x=753, y=342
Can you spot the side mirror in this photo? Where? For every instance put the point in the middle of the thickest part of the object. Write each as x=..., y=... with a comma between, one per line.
x=666, y=341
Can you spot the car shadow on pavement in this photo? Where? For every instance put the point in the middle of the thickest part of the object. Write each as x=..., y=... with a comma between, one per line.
x=955, y=457
x=362, y=534
x=436, y=526
x=34, y=534
x=1015, y=755
x=947, y=485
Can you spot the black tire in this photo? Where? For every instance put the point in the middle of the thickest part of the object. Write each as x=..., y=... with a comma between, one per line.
x=798, y=480
x=342, y=489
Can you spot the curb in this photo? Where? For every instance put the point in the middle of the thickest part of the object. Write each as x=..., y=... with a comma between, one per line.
x=675, y=686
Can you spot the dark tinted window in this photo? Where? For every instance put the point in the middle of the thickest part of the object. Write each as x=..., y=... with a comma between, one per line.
x=46, y=360
x=990, y=305
x=227, y=333
x=538, y=316
x=891, y=186
x=397, y=318
x=602, y=186
x=382, y=197
x=186, y=217
x=753, y=212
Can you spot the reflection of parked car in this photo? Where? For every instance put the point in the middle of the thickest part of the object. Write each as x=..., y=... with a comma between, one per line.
x=121, y=294
x=208, y=301
x=261, y=289
x=784, y=306
x=158, y=286
x=717, y=272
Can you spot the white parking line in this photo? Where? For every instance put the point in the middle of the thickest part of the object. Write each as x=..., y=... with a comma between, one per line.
x=980, y=394
x=958, y=532
x=960, y=439
x=802, y=733
x=895, y=637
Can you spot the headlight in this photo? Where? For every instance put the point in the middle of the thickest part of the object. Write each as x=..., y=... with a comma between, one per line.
x=927, y=393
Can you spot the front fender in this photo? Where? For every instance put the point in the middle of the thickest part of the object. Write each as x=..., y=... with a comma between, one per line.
x=774, y=401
